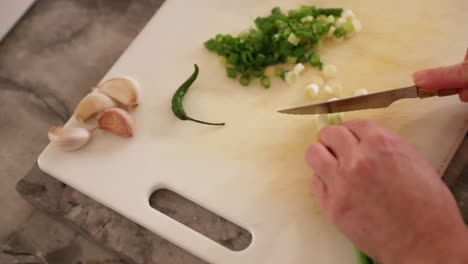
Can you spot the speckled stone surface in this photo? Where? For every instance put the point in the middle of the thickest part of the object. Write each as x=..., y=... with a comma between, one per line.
x=48, y=63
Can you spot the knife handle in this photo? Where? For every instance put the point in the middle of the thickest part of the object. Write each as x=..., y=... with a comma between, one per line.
x=442, y=92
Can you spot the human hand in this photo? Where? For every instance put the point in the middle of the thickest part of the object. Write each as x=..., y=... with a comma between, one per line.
x=455, y=76
x=385, y=197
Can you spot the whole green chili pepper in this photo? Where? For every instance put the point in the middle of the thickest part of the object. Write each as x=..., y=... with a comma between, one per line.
x=177, y=101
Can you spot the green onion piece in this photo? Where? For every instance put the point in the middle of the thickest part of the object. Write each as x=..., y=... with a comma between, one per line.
x=293, y=39
x=315, y=60
x=291, y=59
x=231, y=72
x=244, y=80
x=219, y=37
x=265, y=81
x=321, y=18
x=211, y=44
x=319, y=44
x=276, y=11
x=339, y=32
x=222, y=60
x=260, y=59
x=281, y=37
x=233, y=58
x=280, y=72
x=257, y=73
x=348, y=27
x=307, y=19
x=331, y=11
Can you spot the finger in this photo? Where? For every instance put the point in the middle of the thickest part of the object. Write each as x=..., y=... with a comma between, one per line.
x=320, y=190
x=321, y=161
x=464, y=95
x=361, y=128
x=339, y=140
x=466, y=55
x=455, y=76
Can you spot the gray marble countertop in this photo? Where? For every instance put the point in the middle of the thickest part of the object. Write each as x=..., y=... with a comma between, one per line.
x=48, y=62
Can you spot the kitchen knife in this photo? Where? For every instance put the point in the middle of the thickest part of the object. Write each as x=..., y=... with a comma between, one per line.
x=369, y=101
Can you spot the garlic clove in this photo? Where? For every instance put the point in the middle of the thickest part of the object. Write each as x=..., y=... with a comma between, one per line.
x=126, y=91
x=117, y=121
x=70, y=139
x=91, y=105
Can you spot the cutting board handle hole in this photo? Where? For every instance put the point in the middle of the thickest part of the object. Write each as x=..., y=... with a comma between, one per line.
x=205, y=222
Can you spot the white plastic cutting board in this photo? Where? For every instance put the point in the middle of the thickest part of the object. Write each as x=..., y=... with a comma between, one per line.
x=252, y=171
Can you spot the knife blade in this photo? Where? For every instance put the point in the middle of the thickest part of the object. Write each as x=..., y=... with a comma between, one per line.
x=369, y=101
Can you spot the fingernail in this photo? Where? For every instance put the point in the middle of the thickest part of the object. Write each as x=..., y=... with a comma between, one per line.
x=420, y=77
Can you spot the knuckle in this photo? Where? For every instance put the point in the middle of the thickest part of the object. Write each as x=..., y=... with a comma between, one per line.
x=381, y=139
x=362, y=123
x=340, y=209
x=333, y=131
x=361, y=166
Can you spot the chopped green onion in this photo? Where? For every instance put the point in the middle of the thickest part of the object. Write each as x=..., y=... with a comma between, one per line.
x=244, y=80
x=293, y=39
x=257, y=73
x=280, y=72
x=260, y=59
x=231, y=72
x=307, y=19
x=339, y=32
x=233, y=58
x=211, y=44
x=291, y=59
x=348, y=27
x=331, y=11
x=222, y=60
x=330, y=19
x=322, y=18
x=315, y=60
x=281, y=37
x=265, y=81
x=276, y=11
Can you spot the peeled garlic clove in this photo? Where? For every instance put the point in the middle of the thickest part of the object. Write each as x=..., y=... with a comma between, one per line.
x=93, y=104
x=69, y=139
x=126, y=91
x=117, y=121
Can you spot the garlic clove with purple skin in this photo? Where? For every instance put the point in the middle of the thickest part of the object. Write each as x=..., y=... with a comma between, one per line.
x=93, y=104
x=70, y=139
x=124, y=90
x=117, y=121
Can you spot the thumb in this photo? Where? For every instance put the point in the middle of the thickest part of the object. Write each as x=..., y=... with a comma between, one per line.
x=455, y=76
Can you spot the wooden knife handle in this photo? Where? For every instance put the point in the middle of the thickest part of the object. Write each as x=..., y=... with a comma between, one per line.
x=443, y=92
